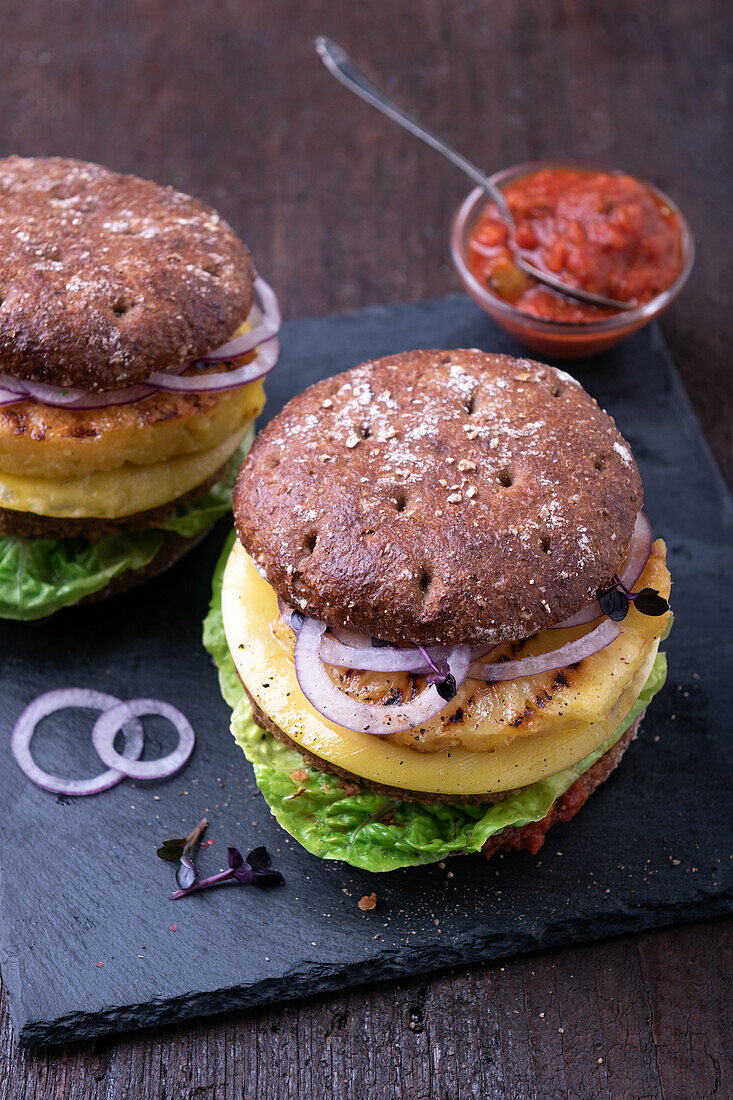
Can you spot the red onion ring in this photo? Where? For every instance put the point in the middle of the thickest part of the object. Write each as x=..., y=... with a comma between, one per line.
x=267, y=355
x=636, y=559
x=106, y=400
x=568, y=654
x=639, y=551
x=8, y=397
x=268, y=327
x=260, y=338
x=40, y=391
x=49, y=703
x=587, y=614
x=60, y=397
x=108, y=724
x=376, y=718
x=350, y=638
x=382, y=659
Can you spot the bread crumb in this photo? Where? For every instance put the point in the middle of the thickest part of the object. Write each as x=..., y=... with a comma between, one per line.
x=466, y=464
x=369, y=901
x=455, y=498
x=299, y=775
x=352, y=441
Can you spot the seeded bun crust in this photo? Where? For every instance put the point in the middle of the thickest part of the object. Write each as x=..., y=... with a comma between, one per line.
x=440, y=497
x=106, y=278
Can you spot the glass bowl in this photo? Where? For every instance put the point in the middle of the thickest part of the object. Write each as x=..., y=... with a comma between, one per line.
x=560, y=339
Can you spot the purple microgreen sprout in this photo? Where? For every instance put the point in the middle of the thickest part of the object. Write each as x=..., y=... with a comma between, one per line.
x=441, y=672
x=180, y=849
x=445, y=686
x=254, y=870
x=186, y=873
x=649, y=602
x=616, y=599
x=445, y=681
x=614, y=603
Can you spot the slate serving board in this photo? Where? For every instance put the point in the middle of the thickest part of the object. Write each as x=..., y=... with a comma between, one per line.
x=79, y=880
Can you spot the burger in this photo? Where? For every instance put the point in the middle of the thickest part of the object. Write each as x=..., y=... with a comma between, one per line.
x=439, y=623
x=134, y=336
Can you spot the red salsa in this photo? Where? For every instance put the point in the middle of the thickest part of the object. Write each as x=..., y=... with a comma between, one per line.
x=601, y=232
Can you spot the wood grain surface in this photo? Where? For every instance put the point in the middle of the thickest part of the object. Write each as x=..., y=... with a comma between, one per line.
x=224, y=98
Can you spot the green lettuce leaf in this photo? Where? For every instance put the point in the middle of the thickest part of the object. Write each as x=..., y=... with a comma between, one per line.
x=214, y=637
x=371, y=830
x=40, y=576
x=192, y=518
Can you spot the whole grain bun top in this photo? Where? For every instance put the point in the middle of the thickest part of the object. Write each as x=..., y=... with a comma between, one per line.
x=440, y=497
x=106, y=278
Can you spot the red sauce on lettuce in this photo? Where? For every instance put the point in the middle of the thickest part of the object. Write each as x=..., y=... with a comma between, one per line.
x=606, y=233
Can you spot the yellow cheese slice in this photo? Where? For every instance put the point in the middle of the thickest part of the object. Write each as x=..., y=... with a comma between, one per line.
x=250, y=612
x=111, y=494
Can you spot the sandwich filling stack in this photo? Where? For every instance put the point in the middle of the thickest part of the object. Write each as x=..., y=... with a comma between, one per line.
x=439, y=623
x=134, y=337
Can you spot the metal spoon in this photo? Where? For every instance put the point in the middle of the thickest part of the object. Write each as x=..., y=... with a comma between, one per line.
x=340, y=65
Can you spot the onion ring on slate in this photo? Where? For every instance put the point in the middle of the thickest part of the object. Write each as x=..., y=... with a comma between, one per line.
x=106, y=728
x=49, y=703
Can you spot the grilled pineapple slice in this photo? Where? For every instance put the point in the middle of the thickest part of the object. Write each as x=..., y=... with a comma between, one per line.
x=491, y=738
x=39, y=440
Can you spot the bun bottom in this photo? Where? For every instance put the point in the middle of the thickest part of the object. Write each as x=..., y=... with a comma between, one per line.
x=532, y=836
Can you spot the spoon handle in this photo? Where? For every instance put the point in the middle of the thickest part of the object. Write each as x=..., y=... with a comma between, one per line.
x=340, y=65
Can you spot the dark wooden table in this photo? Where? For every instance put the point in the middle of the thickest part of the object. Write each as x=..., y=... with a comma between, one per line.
x=225, y=99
